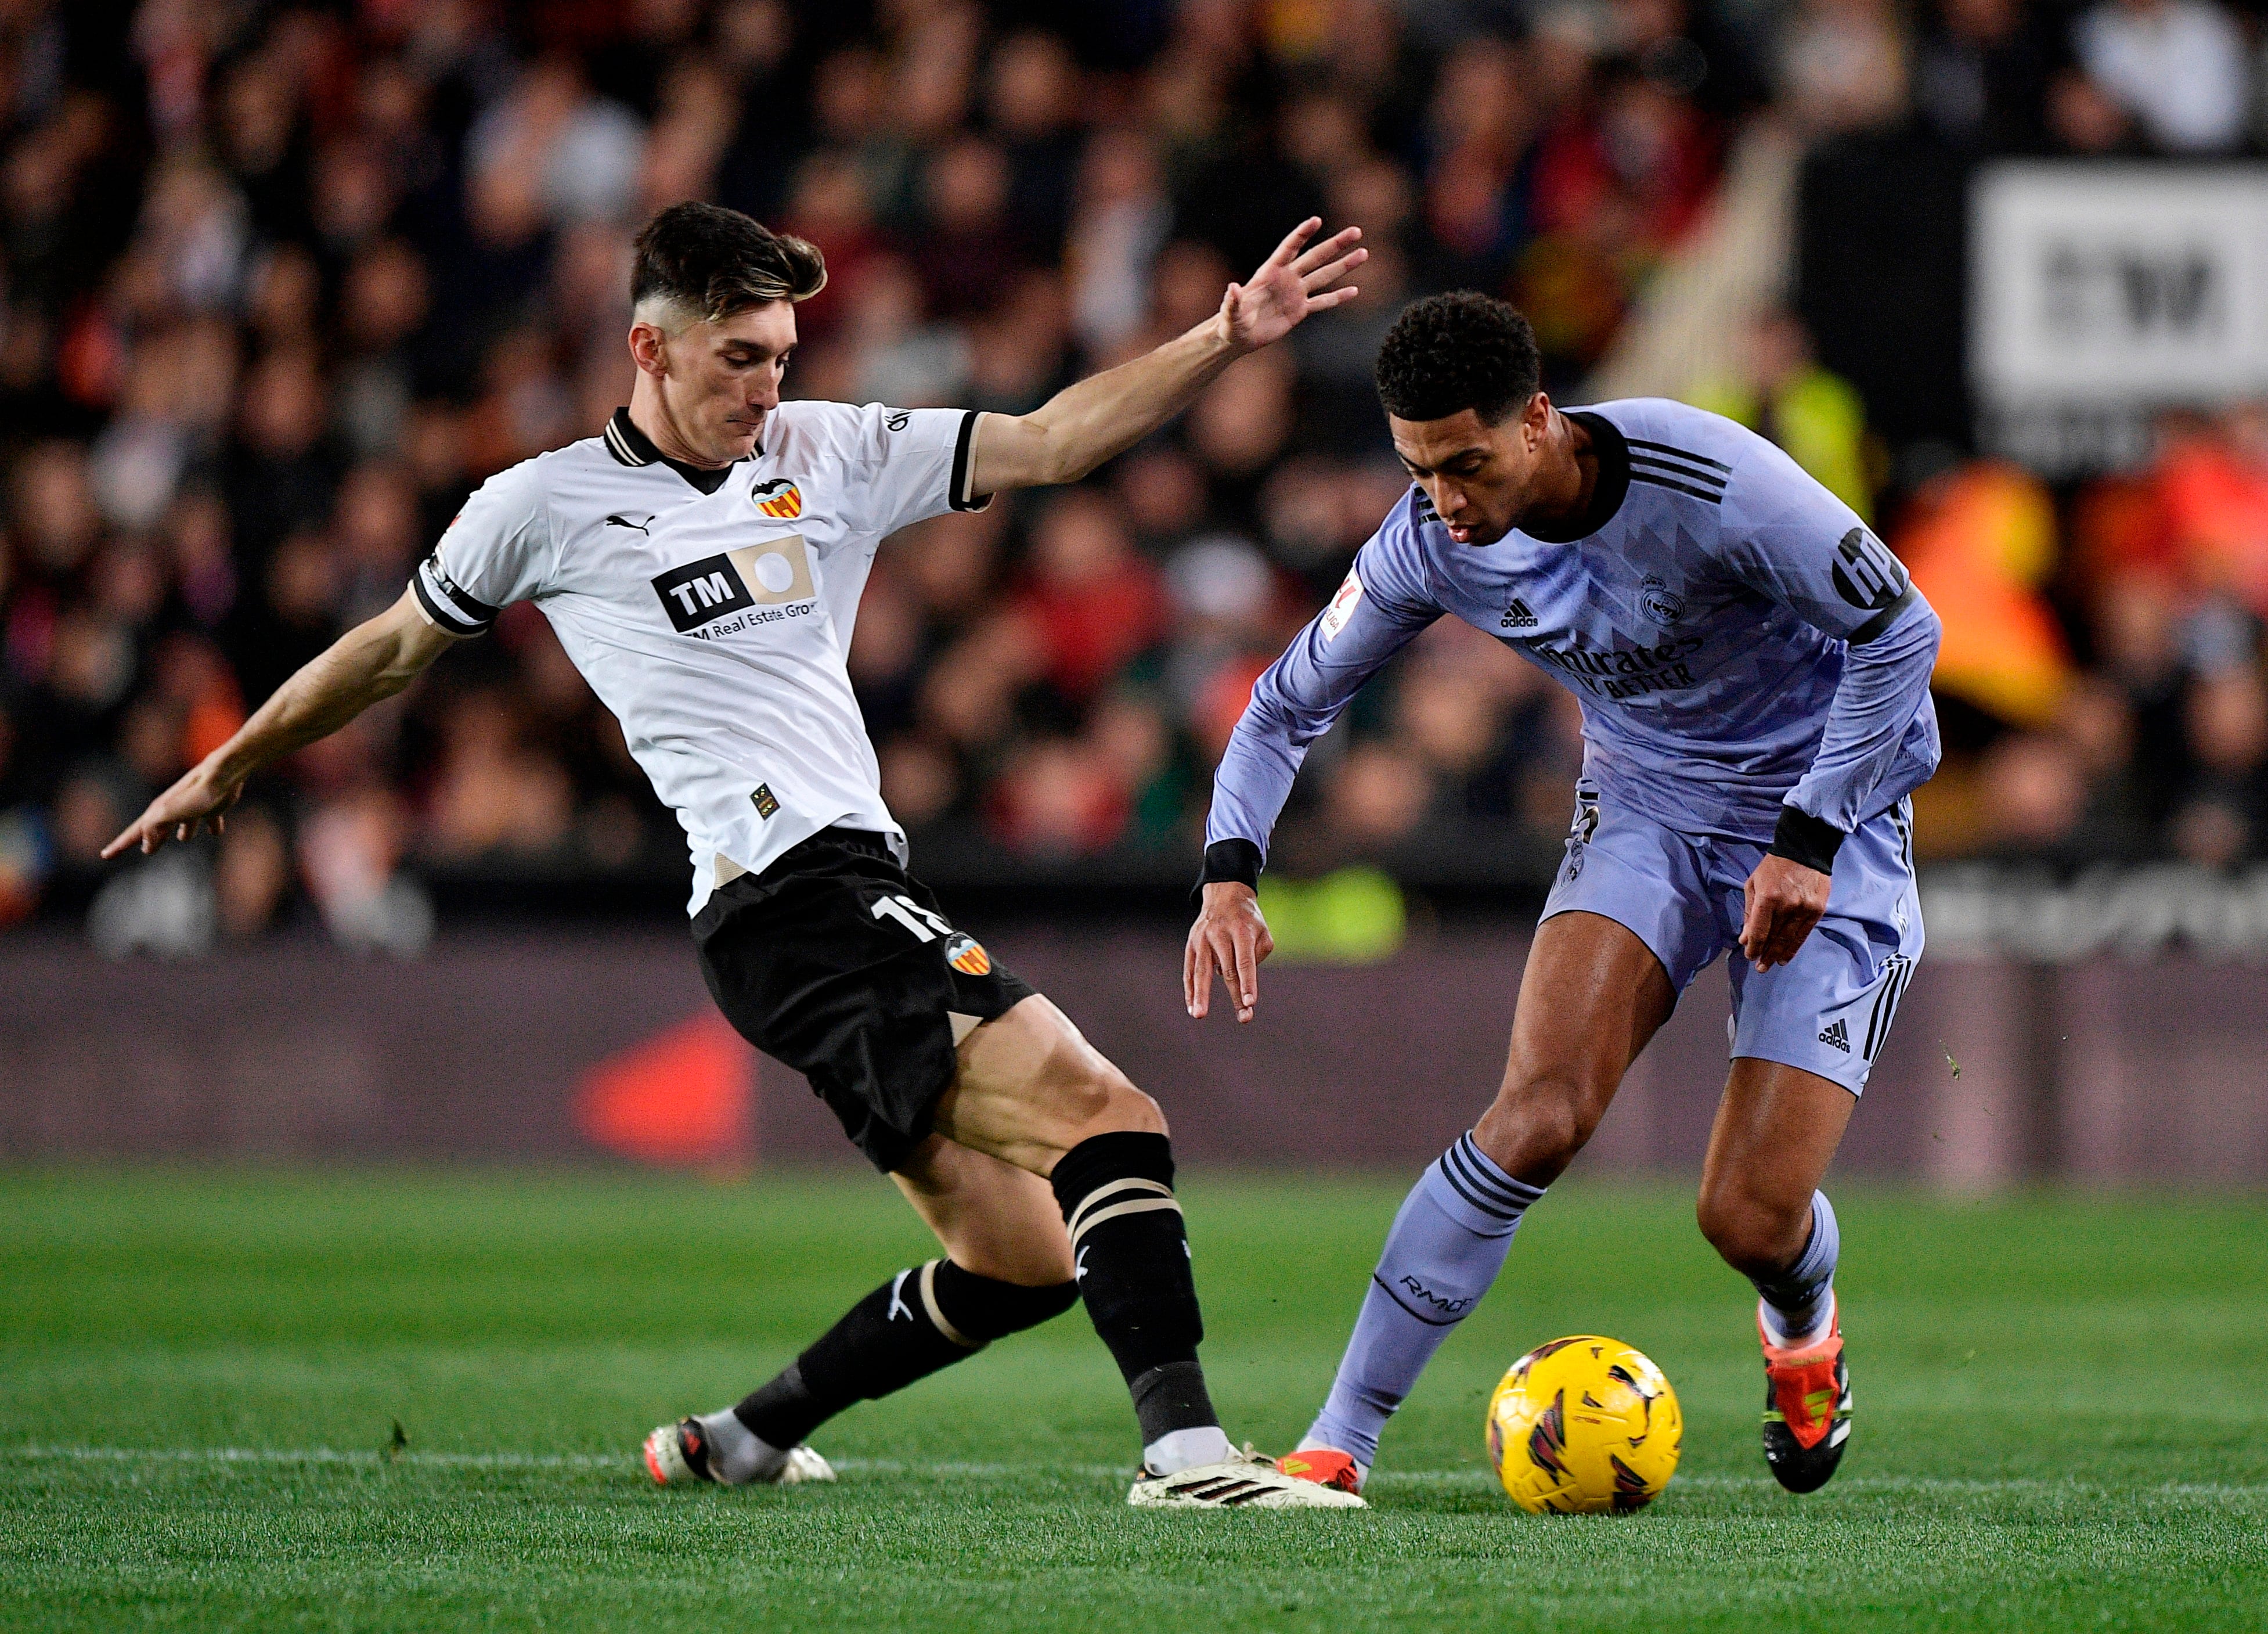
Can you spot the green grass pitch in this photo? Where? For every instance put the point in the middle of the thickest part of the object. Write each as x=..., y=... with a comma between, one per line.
x=2063, y=1418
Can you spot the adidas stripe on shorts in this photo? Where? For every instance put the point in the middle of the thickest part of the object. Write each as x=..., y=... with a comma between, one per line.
x=1828, y=1009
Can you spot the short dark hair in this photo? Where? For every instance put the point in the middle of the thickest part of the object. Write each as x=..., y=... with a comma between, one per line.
x=712, y=262
x=1447, y=353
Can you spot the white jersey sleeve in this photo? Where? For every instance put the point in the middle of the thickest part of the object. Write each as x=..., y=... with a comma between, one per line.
x=899, y=466
x=498, y=550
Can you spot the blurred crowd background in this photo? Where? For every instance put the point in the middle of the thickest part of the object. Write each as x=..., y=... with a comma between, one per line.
x=279, y=283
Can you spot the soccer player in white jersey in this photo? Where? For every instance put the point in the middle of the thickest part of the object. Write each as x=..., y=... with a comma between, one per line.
x=1753, y=668
x=701, y=561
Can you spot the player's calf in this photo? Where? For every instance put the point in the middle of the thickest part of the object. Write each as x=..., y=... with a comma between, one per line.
x=1033, y=1092
x=1791, y=1261
x=923, y=1318
x=1808, y=1405
x=1130, y=1256
x=1448, y=1243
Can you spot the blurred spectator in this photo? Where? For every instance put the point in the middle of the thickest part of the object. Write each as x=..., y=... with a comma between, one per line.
x=1814, y=415
x=1843, y=65
x=1982, y=74
x=550, y=153
x=496, y=793
x=1121, y=221
x=1093, y=602
x=2213, y=500
x=2218, y=821
x=2176, y=66
x=966, y=249
x=1058, y=796
x=1979, y=541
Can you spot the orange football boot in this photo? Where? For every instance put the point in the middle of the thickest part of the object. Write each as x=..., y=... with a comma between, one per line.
x=1324, y=1466
x=1806, y=1407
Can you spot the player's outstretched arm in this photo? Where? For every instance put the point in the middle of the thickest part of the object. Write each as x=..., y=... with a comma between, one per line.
x=373, y=661
x=1106, y=414
x=1230, y=936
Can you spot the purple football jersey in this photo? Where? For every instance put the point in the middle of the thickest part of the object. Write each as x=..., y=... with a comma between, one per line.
x=1737, y=637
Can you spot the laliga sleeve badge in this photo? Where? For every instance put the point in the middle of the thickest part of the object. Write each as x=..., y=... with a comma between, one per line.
x=1342, y=607
x=966, y=954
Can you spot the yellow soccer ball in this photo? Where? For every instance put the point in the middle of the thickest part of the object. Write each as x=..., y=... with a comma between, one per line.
x=1582, y=1426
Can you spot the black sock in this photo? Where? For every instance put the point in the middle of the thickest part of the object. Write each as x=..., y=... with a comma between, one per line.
x=923, y=1318
x=1117, y=1191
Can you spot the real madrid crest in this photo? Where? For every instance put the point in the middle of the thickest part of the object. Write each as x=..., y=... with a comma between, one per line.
x=1662, y=604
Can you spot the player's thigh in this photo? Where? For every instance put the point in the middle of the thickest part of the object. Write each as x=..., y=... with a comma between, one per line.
x=1030, y=1087
x=1591, y=996
x=1830, y=1010
x=1776, y=1132
x=992, y=1217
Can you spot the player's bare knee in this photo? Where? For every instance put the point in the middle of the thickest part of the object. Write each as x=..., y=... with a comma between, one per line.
x=1537, y=1124
x=1029, y=1260
x=1125, y=1109
x=1752, y=1235
x=1087, y=1095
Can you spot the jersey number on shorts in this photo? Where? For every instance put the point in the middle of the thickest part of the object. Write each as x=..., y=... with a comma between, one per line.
x=926, y=924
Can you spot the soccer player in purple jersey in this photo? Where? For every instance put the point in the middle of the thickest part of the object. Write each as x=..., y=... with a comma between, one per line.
x=1753, y=668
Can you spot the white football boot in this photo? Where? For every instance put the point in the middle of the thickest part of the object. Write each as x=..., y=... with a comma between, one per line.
x=1243, y=1481
x=678, y=1453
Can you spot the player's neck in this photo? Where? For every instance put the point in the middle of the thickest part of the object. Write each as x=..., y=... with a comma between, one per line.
x=651, y=416
x=1566, y=480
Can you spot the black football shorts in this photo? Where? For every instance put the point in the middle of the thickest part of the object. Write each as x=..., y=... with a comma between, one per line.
x=836, y=961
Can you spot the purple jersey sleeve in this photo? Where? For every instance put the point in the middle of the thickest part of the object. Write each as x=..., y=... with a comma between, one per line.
x=1385, y=600
x=1787, y=537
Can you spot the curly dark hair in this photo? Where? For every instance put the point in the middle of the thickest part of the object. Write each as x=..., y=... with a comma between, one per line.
x=1461, y=350
x=716, y=261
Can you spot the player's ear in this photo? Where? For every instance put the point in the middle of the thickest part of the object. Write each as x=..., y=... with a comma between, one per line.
x=1536, y=421
x=649, y=349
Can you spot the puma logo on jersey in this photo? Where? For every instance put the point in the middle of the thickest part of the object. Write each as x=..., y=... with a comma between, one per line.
x=617, y=520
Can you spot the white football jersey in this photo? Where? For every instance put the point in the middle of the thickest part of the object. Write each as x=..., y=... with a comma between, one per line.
x=711, y=610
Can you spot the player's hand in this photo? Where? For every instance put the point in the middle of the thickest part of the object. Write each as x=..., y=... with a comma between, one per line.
x=200, y=799
x=1230, y=936
x=1785, y=900
x=1290, y=284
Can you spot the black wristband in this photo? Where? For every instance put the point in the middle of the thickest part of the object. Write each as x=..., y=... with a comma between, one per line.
x=1226, y=860
x=1806, y=839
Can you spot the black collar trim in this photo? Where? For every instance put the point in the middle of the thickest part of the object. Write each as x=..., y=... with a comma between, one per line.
x=630, y=446
x=1606, y=494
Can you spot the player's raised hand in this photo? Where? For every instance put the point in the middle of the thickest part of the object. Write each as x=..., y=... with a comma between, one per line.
x=1296, y=280
x=1783, y=899
x=1230, y=938
x=196, y=802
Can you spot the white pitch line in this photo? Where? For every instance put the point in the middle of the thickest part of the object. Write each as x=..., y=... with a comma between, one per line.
x=317, y=1456
x=1949, y=1484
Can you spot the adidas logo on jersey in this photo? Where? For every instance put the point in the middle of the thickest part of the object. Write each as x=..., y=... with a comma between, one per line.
x=1836, y=1036
x=1518, y=616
